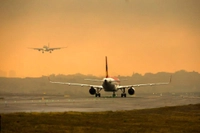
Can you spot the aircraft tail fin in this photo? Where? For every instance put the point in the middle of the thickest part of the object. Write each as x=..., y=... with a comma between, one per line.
x=106, y=68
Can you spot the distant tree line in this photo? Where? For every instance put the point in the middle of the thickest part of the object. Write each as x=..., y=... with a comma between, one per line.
x=182, y=81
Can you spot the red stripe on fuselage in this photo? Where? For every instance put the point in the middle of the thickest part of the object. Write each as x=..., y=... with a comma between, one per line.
x=116, y=79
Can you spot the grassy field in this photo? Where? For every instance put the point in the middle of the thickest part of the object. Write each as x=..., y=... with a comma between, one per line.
x=180, y=119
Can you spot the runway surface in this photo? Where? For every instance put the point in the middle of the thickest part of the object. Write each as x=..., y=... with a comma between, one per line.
x=58, y=103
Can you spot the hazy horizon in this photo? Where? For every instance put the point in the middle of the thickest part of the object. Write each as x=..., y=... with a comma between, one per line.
x=103, y=76
x=136, y=36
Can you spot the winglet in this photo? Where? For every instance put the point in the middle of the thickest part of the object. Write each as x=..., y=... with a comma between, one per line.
x=49, y=79
x=170, y=80
x=106, y=68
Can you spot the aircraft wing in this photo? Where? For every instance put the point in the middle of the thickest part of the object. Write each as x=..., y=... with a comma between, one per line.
x=95, y=80
x=147, y=84
x=55, y=48
x=77, y=84
x=37, y=49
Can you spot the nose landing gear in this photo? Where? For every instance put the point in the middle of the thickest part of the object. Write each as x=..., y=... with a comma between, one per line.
x=113, y=95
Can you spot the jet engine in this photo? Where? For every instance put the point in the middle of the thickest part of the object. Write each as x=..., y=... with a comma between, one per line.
x=131, y=91
x=92, y=91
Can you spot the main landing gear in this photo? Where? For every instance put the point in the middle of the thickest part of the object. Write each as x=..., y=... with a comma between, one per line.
x=98, y=95
x=123, y=93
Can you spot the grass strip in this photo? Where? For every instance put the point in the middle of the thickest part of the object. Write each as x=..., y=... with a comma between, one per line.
x=180, y=119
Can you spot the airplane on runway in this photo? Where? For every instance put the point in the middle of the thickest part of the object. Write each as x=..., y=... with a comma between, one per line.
x=47, y=49
x=110, y=84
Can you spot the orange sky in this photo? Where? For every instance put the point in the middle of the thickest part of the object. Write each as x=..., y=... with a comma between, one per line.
x=137, y=36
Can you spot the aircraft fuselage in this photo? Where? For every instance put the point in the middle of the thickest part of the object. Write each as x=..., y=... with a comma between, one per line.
x=110, y=84
x=45, y=48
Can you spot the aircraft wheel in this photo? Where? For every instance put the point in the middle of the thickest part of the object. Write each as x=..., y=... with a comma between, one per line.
x=98, y=95
x=123, y=95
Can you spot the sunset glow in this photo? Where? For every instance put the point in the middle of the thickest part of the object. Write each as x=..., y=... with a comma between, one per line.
x=136, y=36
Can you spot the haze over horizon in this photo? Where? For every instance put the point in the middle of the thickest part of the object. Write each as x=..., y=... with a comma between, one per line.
x=136, y=36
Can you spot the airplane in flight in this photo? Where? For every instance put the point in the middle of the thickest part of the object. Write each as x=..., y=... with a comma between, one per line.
x=110, y=84
x=46, y=48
